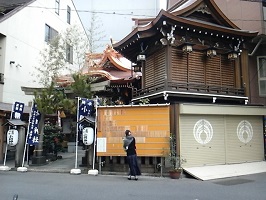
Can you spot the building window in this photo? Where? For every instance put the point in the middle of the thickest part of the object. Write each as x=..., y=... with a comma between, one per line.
x=261, y=60
x=50, y=33
x=69, y=53
x=57, y=6
x=68, y=14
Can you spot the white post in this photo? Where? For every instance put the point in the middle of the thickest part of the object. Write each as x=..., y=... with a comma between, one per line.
x=22, y=168
x=4, y=167
x=95, y=135
x=5, y=155
x=94, y=171
x=76, y=170
x=77, y=129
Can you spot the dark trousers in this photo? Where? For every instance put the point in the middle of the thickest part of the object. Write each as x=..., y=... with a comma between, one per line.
x=133, y=165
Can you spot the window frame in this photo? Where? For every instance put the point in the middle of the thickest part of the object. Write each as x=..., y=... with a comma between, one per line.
x=261, y=78
x=57, y=6
x=50, y=33
x=69, y=53
x=68, y=14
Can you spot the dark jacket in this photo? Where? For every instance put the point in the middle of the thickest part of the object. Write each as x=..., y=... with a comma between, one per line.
x=131, y=148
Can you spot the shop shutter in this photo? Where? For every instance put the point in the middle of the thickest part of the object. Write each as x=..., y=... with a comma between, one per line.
x=244, y=128
x=194, y=153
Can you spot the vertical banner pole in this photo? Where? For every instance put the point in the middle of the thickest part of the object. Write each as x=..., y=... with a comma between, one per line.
x=76, y=170
x=11, y=115
x=77, y=129
x=28, y=157
x=94, y=171
x=5, y=155
x=27, y=135
x=95, y=131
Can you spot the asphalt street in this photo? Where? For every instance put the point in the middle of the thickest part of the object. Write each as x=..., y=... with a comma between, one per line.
x=65, y=186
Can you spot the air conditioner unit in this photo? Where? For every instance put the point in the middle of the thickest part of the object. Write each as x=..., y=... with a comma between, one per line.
x=141, y=58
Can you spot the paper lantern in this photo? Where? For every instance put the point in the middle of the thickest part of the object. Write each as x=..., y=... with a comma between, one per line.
x=12, y=137
x=88, y=135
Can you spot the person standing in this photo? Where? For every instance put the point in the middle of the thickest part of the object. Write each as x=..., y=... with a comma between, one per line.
x=129, y=145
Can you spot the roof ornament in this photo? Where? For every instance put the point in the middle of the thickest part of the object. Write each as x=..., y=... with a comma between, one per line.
x=232, y=55
x=167, y=35
x=170, y=36
x=204, y=9
x=163, y=31
x=142, y=48
x=141, y=56
x=112, y=42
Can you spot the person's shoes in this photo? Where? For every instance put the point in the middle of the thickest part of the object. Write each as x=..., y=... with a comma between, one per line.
x=136, y=178
x=129, y=177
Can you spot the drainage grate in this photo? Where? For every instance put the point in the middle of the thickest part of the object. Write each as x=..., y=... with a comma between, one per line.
x=233, y=182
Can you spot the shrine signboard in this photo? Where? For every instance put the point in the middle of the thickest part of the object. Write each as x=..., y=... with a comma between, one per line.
x=149, y=124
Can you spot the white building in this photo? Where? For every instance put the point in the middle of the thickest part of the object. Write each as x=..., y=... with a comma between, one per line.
x=25, y=28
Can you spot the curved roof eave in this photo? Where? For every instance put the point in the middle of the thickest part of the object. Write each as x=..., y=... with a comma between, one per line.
x=210, y=26
x=103, y=73
x=113, y=56
x=118, y=63
x=191, y=5
x=139, y=29
x=199, y=24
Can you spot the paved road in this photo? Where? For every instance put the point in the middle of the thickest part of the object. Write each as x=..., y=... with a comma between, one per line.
x=64, y=186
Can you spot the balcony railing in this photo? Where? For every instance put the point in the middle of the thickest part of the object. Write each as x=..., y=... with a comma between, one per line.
x=190, y=88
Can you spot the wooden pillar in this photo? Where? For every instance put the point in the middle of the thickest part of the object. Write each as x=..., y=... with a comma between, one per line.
x=143, y=70
x=245, y=71
x=168, y=65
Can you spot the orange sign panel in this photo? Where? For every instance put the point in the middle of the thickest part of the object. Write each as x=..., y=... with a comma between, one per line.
x=149, y=124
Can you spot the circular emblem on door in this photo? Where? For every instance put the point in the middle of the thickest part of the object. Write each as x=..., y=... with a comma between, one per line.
x=244, y=131
x=203, y=131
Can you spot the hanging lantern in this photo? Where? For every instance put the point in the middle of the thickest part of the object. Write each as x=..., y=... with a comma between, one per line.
x=232, y=55
x=87, y=135
x=12, y=137
x=211, y=52
x=141, y=57
x=137, y=68
x=187, y=48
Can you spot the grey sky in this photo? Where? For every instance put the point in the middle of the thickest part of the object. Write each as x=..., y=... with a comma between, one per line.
x=115, y=16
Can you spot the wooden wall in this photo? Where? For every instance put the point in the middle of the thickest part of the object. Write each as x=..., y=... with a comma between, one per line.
x=196, y=67
x=155, y=70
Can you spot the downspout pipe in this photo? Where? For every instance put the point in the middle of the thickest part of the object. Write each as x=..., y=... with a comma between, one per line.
x=256, y=47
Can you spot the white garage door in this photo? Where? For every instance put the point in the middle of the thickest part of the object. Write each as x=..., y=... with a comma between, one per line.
x=213, y=140
x=202, y=140
x=244, y=139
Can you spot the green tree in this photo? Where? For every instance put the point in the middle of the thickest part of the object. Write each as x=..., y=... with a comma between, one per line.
x=53, y=63
x=49, y=100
